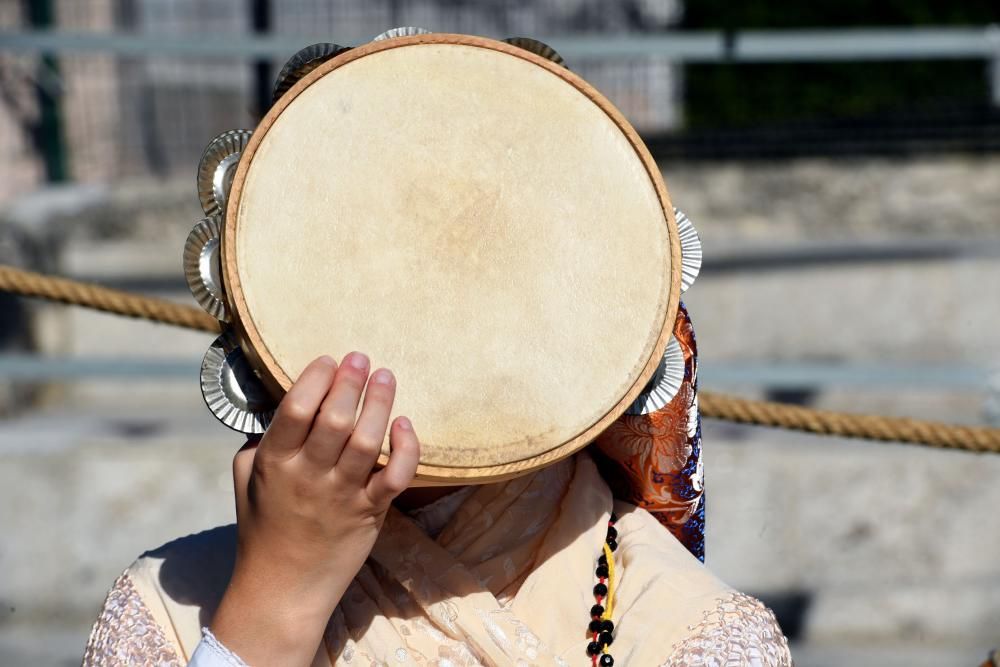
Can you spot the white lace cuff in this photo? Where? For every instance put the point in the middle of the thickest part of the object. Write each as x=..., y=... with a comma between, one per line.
x=210, y=652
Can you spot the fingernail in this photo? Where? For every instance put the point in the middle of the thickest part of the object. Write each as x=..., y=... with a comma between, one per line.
x=404, y=424
x=328, y=360
x=382, y=376
x=358, y=360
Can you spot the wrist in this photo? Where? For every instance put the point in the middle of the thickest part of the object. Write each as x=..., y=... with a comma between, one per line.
x=265, y=621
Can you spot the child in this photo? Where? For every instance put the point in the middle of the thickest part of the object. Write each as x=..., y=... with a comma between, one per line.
x=324, y=568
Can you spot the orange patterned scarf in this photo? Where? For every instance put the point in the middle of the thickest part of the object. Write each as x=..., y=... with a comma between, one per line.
x=654, y=460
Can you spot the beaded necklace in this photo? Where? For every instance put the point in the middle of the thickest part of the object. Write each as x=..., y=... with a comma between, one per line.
x=601, y=628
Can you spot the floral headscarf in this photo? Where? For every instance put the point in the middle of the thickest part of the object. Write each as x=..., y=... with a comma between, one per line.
x=654, y=460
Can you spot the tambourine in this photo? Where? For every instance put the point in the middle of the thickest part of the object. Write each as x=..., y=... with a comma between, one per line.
x=468, y=212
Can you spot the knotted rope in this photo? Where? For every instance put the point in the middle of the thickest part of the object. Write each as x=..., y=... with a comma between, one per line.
x=718, y=406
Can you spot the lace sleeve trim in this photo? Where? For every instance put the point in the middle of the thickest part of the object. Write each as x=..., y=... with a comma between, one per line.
x=215, y=653
x=739, y=631
x=126, y=634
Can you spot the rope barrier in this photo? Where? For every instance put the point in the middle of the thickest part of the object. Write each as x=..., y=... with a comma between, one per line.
x=718, y=406
x=28, y=283
x=848, y=425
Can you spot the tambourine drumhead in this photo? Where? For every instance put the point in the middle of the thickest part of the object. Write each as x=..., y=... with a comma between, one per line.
x=475, y=218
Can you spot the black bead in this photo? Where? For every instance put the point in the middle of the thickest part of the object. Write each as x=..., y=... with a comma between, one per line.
x=612, y=543
x=597, y=610
x=603, y=560
x=596, y=625
x=593, y=648
x=601, y=590
x=612, y=532
x=614, y=518
x=605, y=639
x=607, y=625
x=602, y=571
x=606, y=660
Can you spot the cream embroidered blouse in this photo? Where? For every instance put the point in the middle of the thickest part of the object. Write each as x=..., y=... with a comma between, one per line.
x=507, y=581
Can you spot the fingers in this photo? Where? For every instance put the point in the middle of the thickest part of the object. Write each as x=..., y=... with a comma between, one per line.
x=362, y=449
x=295, y=414
x=398, y=473
x=335, y=420
x=317, y=423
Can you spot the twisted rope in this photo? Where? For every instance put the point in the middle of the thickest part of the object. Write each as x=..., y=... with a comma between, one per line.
x=868, y=427
x=28, y=283
x=718, y=406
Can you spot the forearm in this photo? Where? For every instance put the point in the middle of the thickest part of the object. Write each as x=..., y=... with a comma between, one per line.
x=268, y=619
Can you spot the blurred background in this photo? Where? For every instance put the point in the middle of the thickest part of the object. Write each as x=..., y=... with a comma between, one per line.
x=841, y=161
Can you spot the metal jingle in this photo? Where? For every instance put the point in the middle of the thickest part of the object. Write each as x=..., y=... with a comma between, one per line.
x=538, y=48
x=232, y=390
x=303, y=62
x=404, y=31
x=217, y=168
x=691, y=255
x=203, y=267
x=664, y=384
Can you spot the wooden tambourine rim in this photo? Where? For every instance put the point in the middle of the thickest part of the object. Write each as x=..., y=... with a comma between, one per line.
x=278, y=380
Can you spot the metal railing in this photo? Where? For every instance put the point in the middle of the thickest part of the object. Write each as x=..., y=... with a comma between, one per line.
x=189, y=84
x=746, y=46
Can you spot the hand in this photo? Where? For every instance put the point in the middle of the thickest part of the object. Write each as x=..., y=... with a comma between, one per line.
x=309, y=508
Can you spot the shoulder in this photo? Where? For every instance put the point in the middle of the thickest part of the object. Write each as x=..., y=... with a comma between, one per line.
x=126, y=632
x=192, y=570
x=667, y=593
x=155, y=610
x=651, y=553
x=738, y=628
